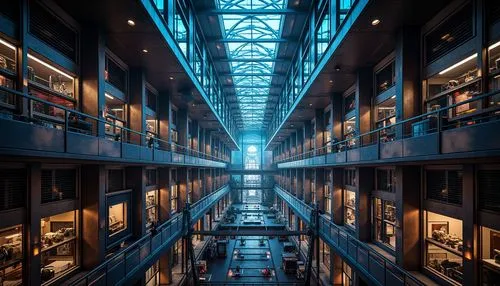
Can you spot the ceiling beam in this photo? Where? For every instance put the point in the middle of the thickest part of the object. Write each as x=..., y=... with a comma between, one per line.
x=253, y=86
x=252, y=12
x=252, y=74
x=249, y=60
x=280, y=40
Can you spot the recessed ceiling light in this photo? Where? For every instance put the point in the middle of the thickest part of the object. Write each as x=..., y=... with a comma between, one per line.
x=130, y=22
x=145, y=51
x=310, y=104
x=331, y=81
x=375, y=22
x=292, y=125
x=337, y=68
x=171, y=78
x=194, y=104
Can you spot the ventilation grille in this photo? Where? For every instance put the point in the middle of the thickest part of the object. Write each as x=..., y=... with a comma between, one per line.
x=450, y=34
x=10, y=9
x=493, y=10
x=58, y=185
x=489, y=185
x=115, y=180
x=444, y=186
x=13, y=188
x=50, y=29
x=150, y=177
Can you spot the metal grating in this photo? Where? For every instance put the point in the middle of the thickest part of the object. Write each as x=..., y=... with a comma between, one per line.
x=52, y=30
x=445, y=186
x=116, y=180
x=58, y=184
x=488, y=182
x=453, y=32
x=13, y=188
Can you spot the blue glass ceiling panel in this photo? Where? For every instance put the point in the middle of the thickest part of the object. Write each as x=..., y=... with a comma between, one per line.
x=251, y=83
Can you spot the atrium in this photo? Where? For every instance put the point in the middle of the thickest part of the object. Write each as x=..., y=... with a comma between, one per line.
x=250, y=142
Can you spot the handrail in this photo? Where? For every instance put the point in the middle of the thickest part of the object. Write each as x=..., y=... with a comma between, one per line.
x=165, y=232
x=339, y=146
x=151, y=141
x=328, y=230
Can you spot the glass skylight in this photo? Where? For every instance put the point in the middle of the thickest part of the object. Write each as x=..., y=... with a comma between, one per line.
x=252, y=77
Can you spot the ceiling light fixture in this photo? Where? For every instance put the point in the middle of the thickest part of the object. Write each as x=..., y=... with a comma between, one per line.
x=310, y=104
x=375, y=22
x=458, y=64
x=145, y=51
x=331, y=81
x=171, y=78
x=130, y=22
x=337, y=68
x=109, y=96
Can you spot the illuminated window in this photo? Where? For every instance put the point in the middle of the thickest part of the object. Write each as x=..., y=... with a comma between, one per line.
x=59, y=245
x=117, y=216
x=151, y=207
x=444, y=246
x=350, y=208
x=11, y=266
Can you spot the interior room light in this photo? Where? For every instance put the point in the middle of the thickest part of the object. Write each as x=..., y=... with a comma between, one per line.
x=375, y=22
x=171, y=78
x=108, y=96
x=145, y=51
x=489, y=48
x=394, y=96
x=310, y=104
x=50, y=67
x=7, y=44
x=458, y=64
x=130, y=22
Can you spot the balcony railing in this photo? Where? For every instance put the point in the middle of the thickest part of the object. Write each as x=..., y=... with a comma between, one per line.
x=128, y=261
x=78, y=127
x=429, y=124
x=374, y=265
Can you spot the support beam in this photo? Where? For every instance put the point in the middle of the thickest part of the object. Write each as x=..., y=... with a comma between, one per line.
x=252, y=12
x=247, y=60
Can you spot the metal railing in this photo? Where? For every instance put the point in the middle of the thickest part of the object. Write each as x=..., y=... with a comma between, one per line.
x=373, y=264
x=51, y=115
x=131, y=258
x=436, y=121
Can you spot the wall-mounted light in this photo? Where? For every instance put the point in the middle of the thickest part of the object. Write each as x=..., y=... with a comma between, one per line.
x=489, y=48
x=49, y=66
x=130, y=22
x=458, y=64
x=7, y=44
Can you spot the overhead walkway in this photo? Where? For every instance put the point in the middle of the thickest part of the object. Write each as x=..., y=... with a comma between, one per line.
x=375, y=267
